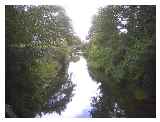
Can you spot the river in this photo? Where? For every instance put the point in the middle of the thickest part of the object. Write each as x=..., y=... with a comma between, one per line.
x=85, y=88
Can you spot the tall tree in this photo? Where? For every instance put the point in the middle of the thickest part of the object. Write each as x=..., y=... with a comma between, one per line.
x=121, y=37
x=38, y=45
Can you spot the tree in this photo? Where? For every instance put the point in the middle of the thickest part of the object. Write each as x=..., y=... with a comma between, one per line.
x=119, y=60
x=38, y=46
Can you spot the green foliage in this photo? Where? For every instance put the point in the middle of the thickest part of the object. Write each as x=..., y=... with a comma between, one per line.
x=39, y=41
x=123, y=62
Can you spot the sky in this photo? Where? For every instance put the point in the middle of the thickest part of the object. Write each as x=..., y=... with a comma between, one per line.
x=89, y=8
x=81, y=13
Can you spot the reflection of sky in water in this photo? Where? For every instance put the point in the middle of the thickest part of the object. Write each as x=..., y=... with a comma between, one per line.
x=84, y=90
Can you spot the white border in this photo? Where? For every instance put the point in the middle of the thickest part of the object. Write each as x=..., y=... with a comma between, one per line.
x=2, y=61
x=157, y=60
x=53, y=2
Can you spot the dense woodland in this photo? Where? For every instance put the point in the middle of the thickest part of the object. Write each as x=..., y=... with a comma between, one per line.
x=122, y=56
x=39, y=45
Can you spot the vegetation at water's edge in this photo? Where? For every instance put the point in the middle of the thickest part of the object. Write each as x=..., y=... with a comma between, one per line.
x=121, y=55
x=39, y=44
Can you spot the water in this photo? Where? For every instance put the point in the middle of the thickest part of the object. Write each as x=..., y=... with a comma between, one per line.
x=85, y=89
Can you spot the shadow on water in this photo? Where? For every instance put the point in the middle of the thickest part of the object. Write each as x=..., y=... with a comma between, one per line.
x=80, y=95
x=58, y=101
x=114, y=103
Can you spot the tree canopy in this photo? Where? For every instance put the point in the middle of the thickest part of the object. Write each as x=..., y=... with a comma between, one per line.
x=39, y=42
x=121, y=55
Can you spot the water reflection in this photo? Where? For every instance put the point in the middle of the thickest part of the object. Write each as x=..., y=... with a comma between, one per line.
x=85, y=89
x=57, y=102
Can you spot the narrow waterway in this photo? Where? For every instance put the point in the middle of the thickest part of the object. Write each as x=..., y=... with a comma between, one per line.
x=85, y=89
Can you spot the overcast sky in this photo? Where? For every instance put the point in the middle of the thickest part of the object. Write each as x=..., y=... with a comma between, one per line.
x=81, y=12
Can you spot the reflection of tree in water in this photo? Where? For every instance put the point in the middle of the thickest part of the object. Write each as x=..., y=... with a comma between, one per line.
x=38, y=47
x=100, y=109
x=106, y=105
x=114, y=103
x=124, y=63
x=59, y=100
